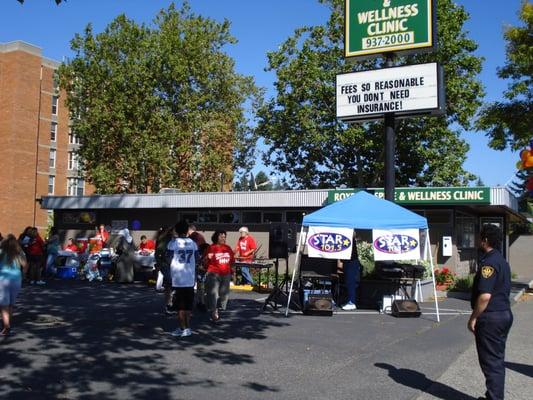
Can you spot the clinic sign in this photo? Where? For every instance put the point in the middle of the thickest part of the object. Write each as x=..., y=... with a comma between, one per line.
x=375, y=27
x=432, y=196
x=404, y=91
x=425, y=196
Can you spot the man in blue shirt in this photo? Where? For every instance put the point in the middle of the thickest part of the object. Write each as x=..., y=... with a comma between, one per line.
x=491, y=317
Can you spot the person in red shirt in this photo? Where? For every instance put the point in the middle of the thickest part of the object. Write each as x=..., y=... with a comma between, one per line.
x=102, y=235
x=245, y=252
x=71, y=246
x=219, y=261
x=146, y=245
x=35, y=251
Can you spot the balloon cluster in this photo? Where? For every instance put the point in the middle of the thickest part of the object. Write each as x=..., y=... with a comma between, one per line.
x=526, y=164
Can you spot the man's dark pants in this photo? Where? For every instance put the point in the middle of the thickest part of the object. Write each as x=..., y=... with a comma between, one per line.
x=491, y=334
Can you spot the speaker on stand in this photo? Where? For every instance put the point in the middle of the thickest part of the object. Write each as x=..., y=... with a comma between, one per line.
x=282, y=239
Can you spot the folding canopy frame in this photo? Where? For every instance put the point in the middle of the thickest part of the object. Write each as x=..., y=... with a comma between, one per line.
x=353, y=213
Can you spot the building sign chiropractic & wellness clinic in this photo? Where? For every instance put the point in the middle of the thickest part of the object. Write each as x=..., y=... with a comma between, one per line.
x=381, y=26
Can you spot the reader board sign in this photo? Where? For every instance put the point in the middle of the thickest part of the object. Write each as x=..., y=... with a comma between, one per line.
x=396, y=244
x=374, y=27
x=404, y=91
x=326, y=242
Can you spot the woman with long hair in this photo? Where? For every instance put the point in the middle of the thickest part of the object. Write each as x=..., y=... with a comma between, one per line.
x=219, y=259
x=12, y=262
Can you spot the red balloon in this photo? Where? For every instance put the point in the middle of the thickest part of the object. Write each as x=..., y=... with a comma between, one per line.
x=529, y=185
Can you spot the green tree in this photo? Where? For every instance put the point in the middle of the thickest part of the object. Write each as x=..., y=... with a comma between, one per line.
x=509, y=123
x=262, y=181
x=159, y=105
x=308, y=143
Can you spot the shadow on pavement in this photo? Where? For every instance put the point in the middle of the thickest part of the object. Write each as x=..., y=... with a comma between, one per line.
x=524, y=369
x=419, y=381
x=108, y=341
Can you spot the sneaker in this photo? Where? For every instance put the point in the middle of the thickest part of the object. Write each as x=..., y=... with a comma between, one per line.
x=349, y=307
x=40, y=283
x=178, y=332
x=186, y=332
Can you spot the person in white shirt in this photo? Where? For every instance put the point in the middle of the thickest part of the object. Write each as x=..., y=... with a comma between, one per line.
x=184, y=257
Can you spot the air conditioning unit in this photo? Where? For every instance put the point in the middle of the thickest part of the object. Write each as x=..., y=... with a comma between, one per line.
x=169, y=190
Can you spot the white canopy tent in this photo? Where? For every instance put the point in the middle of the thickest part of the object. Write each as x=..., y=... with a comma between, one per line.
x=364, y=211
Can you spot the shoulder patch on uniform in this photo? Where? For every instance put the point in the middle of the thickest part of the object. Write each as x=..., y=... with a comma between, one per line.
x=487, y=271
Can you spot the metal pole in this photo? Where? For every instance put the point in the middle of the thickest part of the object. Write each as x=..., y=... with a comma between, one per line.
x=428, y=251
x=296, y=266
x=390, y=148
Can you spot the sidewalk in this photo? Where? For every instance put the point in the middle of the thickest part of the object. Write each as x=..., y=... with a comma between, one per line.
x=464, y=375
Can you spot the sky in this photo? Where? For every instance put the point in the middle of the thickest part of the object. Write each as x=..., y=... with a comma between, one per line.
x=259, y=27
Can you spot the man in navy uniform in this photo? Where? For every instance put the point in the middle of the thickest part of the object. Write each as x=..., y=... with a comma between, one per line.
x=491, y=317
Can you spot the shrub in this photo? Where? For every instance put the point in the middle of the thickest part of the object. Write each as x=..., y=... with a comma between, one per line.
x=366, y=258
x=463, y=284
x=444, y=276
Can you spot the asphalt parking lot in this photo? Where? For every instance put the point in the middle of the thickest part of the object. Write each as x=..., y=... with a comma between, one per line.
x=76, y=340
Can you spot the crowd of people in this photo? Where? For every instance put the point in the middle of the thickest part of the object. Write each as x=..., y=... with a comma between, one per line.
x=193, y=272
x=186, y=261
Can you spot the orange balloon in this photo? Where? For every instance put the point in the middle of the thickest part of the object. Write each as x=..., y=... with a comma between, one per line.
x=529, y=161
x=524, y=154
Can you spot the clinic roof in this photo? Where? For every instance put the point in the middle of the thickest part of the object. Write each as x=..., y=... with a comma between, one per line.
x=499, y=196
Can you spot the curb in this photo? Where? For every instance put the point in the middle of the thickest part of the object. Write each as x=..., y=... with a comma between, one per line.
x=521, y=292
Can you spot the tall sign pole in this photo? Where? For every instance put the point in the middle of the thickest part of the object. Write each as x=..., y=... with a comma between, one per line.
x=390, y=148
x=385, y=28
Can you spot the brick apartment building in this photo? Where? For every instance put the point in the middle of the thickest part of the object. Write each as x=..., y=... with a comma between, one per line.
x=37, y=155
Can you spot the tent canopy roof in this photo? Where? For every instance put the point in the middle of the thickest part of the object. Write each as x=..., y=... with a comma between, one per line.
x=365, y=211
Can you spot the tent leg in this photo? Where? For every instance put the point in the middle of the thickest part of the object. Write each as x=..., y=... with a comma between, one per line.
x=428, y=251
x=296, y=266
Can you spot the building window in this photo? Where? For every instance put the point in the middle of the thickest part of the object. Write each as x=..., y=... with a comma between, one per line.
x=51, y=184
x=189, y=217
x=52, y=162
x=272, y=217
x=72, y=138
x=251, y=217
x=294, y=216
x=229, y=217
x=466, y=232
x=439, y=217
x=207, y=217
x=54, y=105
x=75, y=187
x=72, y=160
x=53, y=131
